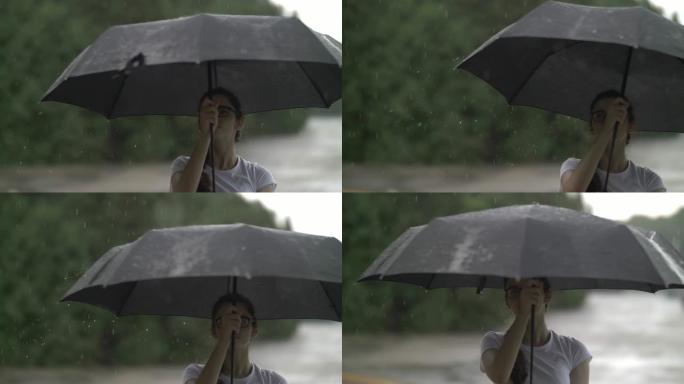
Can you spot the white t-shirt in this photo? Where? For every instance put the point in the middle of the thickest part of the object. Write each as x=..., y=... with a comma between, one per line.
x=256, y=376
x=553, y=361
x=245, y=176
x=632, y=179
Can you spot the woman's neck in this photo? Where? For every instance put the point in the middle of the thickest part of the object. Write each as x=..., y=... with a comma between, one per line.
x=619, y=163
x=242, y=364
x=541, y=333
x=226, y=156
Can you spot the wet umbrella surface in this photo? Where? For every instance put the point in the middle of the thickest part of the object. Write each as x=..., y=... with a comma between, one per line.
x=574, y=250
x=163, y=67
x=182, y=271
x=560, y=56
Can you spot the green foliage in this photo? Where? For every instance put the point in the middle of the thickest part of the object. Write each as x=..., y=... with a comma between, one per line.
x=373, y=221
x=40, y=38
x=669, y=227
x=48, y=243
x=406, y=102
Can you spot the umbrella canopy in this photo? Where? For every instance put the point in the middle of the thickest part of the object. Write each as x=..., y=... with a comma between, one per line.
x=182, y=271
x=560, y=56
x=163, y=67
x=574, y=250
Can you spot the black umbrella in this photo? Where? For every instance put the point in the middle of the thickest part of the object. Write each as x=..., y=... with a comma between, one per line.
x=164, y=67
x=574, y=250
x=182, y=271
x=560, y=56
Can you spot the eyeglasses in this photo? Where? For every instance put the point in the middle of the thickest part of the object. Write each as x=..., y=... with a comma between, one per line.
x=598, y=116
x=225, y=111
x=513, y=292
x=245, y=321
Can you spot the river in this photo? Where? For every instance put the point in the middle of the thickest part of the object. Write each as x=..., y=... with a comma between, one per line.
x=309, y=161
x=635, y=338
x=312, y=356
x=661, y=154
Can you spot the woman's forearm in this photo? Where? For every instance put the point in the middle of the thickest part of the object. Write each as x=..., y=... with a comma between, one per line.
x=190, y=176
x=212, y=369
x=579, y=178
x=508, y=352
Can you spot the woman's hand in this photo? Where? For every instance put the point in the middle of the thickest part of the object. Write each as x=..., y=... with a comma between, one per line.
x=531, y=294
x=208, y=116
x=226, y=324
x=616, y=112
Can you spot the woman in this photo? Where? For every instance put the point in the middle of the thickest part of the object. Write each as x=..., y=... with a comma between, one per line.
x=589, y=173
x=231, y=313
x=220, y=109
x=557, y=359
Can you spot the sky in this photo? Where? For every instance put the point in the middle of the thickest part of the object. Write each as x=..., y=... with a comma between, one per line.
x=313, y=213
x=622, y=206
x=323, y=16
x=670, y=7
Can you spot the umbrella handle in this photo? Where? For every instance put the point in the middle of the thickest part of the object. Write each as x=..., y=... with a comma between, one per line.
x=623, y=87
x=211, y=156
x=232, y=356
x=610, y=157
x=531, y=342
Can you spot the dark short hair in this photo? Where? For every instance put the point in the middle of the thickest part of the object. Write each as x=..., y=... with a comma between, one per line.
x=227, y=94
x=230, y=299
x=612, y=94
x=544, y=281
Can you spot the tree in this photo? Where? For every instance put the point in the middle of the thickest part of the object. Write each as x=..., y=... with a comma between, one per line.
x=39, y=40
x=50, y=241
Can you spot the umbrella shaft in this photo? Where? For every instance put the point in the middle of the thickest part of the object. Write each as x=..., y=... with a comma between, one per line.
x=610, y=157
x=531, y=342
x=232, y=356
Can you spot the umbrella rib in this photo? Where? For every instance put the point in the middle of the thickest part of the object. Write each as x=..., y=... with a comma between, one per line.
x=532, y=72
x=116, y=98
x=430, y=282
x=337, y=313
x=128, y=294
x=313, y=83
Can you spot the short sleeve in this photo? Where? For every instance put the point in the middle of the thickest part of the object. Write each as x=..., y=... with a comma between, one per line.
x=491, y=340
x=179, y=164
x=655, y=183
x=277, y=379
x=264, y=178
x=580, y=353
x=191, y=372
x=569, y=165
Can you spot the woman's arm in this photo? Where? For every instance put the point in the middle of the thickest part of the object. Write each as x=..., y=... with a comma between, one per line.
x=578, y=179
x=268, y=188
x=498, y=364
x=227, y=324
x=188, y=179
x=212, y=370
x=580, y=375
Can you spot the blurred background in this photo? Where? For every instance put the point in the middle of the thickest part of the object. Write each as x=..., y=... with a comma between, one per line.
x=50, y=240
x=414, y=122
x=403, y=334
x=59, y=147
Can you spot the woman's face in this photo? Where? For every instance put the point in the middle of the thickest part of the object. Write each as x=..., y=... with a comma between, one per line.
x=599, y=114
x=514, y=289
x=228, y=122
x=248, y=327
